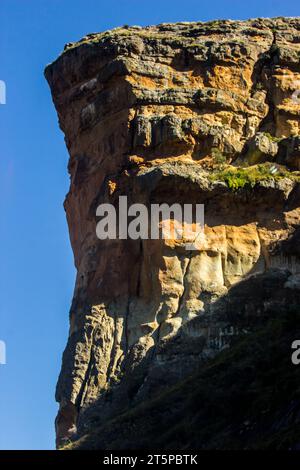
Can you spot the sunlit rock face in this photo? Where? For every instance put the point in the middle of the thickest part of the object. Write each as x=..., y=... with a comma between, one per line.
x=202, y=113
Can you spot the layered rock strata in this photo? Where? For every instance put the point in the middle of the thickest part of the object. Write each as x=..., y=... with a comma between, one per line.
x=203, y=113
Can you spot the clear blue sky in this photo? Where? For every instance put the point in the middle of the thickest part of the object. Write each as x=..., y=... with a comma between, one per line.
x=36, y=262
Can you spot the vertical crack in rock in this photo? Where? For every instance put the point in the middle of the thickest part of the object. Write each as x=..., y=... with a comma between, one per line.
x=84, y=386
x=184, y=279
x=111, y=365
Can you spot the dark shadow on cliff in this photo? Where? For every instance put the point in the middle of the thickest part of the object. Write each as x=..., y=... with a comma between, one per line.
x=248, y=396
x=247, y=308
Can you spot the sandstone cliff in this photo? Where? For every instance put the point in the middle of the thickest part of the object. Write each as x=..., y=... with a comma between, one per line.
x=189, y=112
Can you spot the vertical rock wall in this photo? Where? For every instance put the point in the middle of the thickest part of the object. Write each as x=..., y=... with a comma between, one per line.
x=186, y=113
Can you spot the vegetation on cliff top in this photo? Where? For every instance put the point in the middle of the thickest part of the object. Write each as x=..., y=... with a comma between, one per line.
x=179, y=30
x=240, y=177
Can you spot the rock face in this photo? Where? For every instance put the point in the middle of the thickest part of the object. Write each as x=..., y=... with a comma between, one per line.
x=189, y=113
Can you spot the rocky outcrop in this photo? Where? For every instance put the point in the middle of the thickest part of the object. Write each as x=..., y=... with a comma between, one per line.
x=203, y=113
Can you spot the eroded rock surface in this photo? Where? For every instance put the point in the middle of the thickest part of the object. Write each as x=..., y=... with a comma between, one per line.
x=187, y=112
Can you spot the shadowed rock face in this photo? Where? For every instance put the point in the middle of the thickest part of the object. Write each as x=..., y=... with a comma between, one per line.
x=187, y=113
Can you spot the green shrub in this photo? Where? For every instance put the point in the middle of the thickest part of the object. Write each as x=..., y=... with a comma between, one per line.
x=238, y=178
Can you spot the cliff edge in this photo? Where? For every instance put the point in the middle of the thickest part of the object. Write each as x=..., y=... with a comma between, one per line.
x=202, y=113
